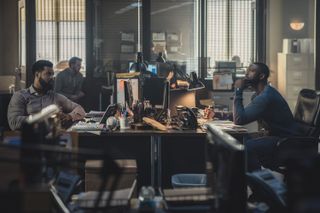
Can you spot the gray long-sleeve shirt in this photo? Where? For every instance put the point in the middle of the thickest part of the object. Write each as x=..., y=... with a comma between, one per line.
x=68, y=83
x=269, y=107
x=27, y=102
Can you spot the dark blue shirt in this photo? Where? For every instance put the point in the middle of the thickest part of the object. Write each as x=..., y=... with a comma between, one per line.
x=270, y=108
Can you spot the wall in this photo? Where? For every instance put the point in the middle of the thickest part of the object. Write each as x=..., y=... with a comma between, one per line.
x=274, y=37
x=295, y=10
x=1, y=27
x=9, y=36
x=279, y=15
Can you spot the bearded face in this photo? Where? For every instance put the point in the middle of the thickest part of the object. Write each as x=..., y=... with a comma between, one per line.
x=253, y=76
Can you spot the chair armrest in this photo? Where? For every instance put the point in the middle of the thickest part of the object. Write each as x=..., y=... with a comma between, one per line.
x=297, y=140
x=296, y=146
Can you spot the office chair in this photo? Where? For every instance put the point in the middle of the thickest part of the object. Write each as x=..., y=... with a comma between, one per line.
x=307, y=113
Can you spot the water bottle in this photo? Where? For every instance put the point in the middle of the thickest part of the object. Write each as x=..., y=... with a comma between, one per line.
x=146, y=199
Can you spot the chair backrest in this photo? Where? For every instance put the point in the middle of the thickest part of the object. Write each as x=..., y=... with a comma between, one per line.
x=307, y=111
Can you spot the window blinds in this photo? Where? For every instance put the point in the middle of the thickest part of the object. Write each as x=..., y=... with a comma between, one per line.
x=230, y=30
x=60, y=29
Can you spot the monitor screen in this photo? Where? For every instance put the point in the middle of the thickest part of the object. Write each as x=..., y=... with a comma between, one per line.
x=154, y=90
x=153, y=68
x=120, y=88
x=130, y=64
x=128, y=94
x=228, y=159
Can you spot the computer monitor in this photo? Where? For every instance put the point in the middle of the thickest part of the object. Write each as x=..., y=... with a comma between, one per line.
x=228, y=160
x=154, y=90
x=128, y=94
x=120, y=89
x=153, y=68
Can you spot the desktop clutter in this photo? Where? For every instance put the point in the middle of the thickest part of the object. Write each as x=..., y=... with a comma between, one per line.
x=142, y=116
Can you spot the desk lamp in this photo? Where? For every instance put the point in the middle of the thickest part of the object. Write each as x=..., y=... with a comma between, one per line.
x=160, y=58
x=139, y=65
x=194, y=82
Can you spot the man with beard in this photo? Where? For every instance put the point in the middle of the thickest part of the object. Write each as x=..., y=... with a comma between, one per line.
x=69, y=81
x=270, y=109
x=40, y=95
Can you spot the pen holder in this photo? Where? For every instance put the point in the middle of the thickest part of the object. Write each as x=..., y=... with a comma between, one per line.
x=124, y=123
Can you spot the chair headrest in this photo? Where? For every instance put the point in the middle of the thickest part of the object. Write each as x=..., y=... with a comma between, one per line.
x=307, y=108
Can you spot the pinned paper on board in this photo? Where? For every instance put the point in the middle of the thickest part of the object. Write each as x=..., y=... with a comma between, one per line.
x=222, y=81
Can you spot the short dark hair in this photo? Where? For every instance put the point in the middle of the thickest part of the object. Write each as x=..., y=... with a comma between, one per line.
x=38, y=66
x=263, y=68
x=73, y=60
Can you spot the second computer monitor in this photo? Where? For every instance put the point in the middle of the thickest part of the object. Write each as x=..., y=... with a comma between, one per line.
x=152, y=67
x=154, y=90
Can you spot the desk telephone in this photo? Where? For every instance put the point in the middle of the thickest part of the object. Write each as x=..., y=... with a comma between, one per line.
x=266, y=188
x=66, y=183
x=187, y=117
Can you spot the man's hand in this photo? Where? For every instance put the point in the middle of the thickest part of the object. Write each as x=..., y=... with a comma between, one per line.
x=81, y=94
x=77, y=96
x=65, y=119
x=239, y=83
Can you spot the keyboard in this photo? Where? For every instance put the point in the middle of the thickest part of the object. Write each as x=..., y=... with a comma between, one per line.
x=96, y=119
x=84, y=126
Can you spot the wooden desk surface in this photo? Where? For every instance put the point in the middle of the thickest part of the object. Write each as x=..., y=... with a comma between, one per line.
x=132, y=132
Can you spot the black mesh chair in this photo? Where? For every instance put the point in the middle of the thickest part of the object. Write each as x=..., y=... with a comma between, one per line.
x=307, y=113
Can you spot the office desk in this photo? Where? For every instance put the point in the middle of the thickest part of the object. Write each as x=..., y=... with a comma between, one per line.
x=155, y=151
x=159, y=154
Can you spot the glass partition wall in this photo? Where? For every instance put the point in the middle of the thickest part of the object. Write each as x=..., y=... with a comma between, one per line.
x=119, y=33
x=174, y=32
x=116, y=31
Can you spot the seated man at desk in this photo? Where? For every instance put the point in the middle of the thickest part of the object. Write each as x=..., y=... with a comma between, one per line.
x=268, y=107
x=40, y=95
x=69, y=81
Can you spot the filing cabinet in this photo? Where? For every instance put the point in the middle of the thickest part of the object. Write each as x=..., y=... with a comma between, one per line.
x=295, y=72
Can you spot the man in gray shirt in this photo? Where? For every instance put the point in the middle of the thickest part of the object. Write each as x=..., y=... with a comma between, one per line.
x=69, y=81
x=40, y=95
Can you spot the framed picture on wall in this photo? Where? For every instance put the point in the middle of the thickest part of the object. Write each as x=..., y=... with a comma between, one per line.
x=173, y=48
x=160, y=36
x=159, y=46
x=126, y=36
x=173, y=37
x=127, y=48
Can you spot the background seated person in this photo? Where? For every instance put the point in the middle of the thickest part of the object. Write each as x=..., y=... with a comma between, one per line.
x=40, y=95
x=69, y=81
x=268, y=107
